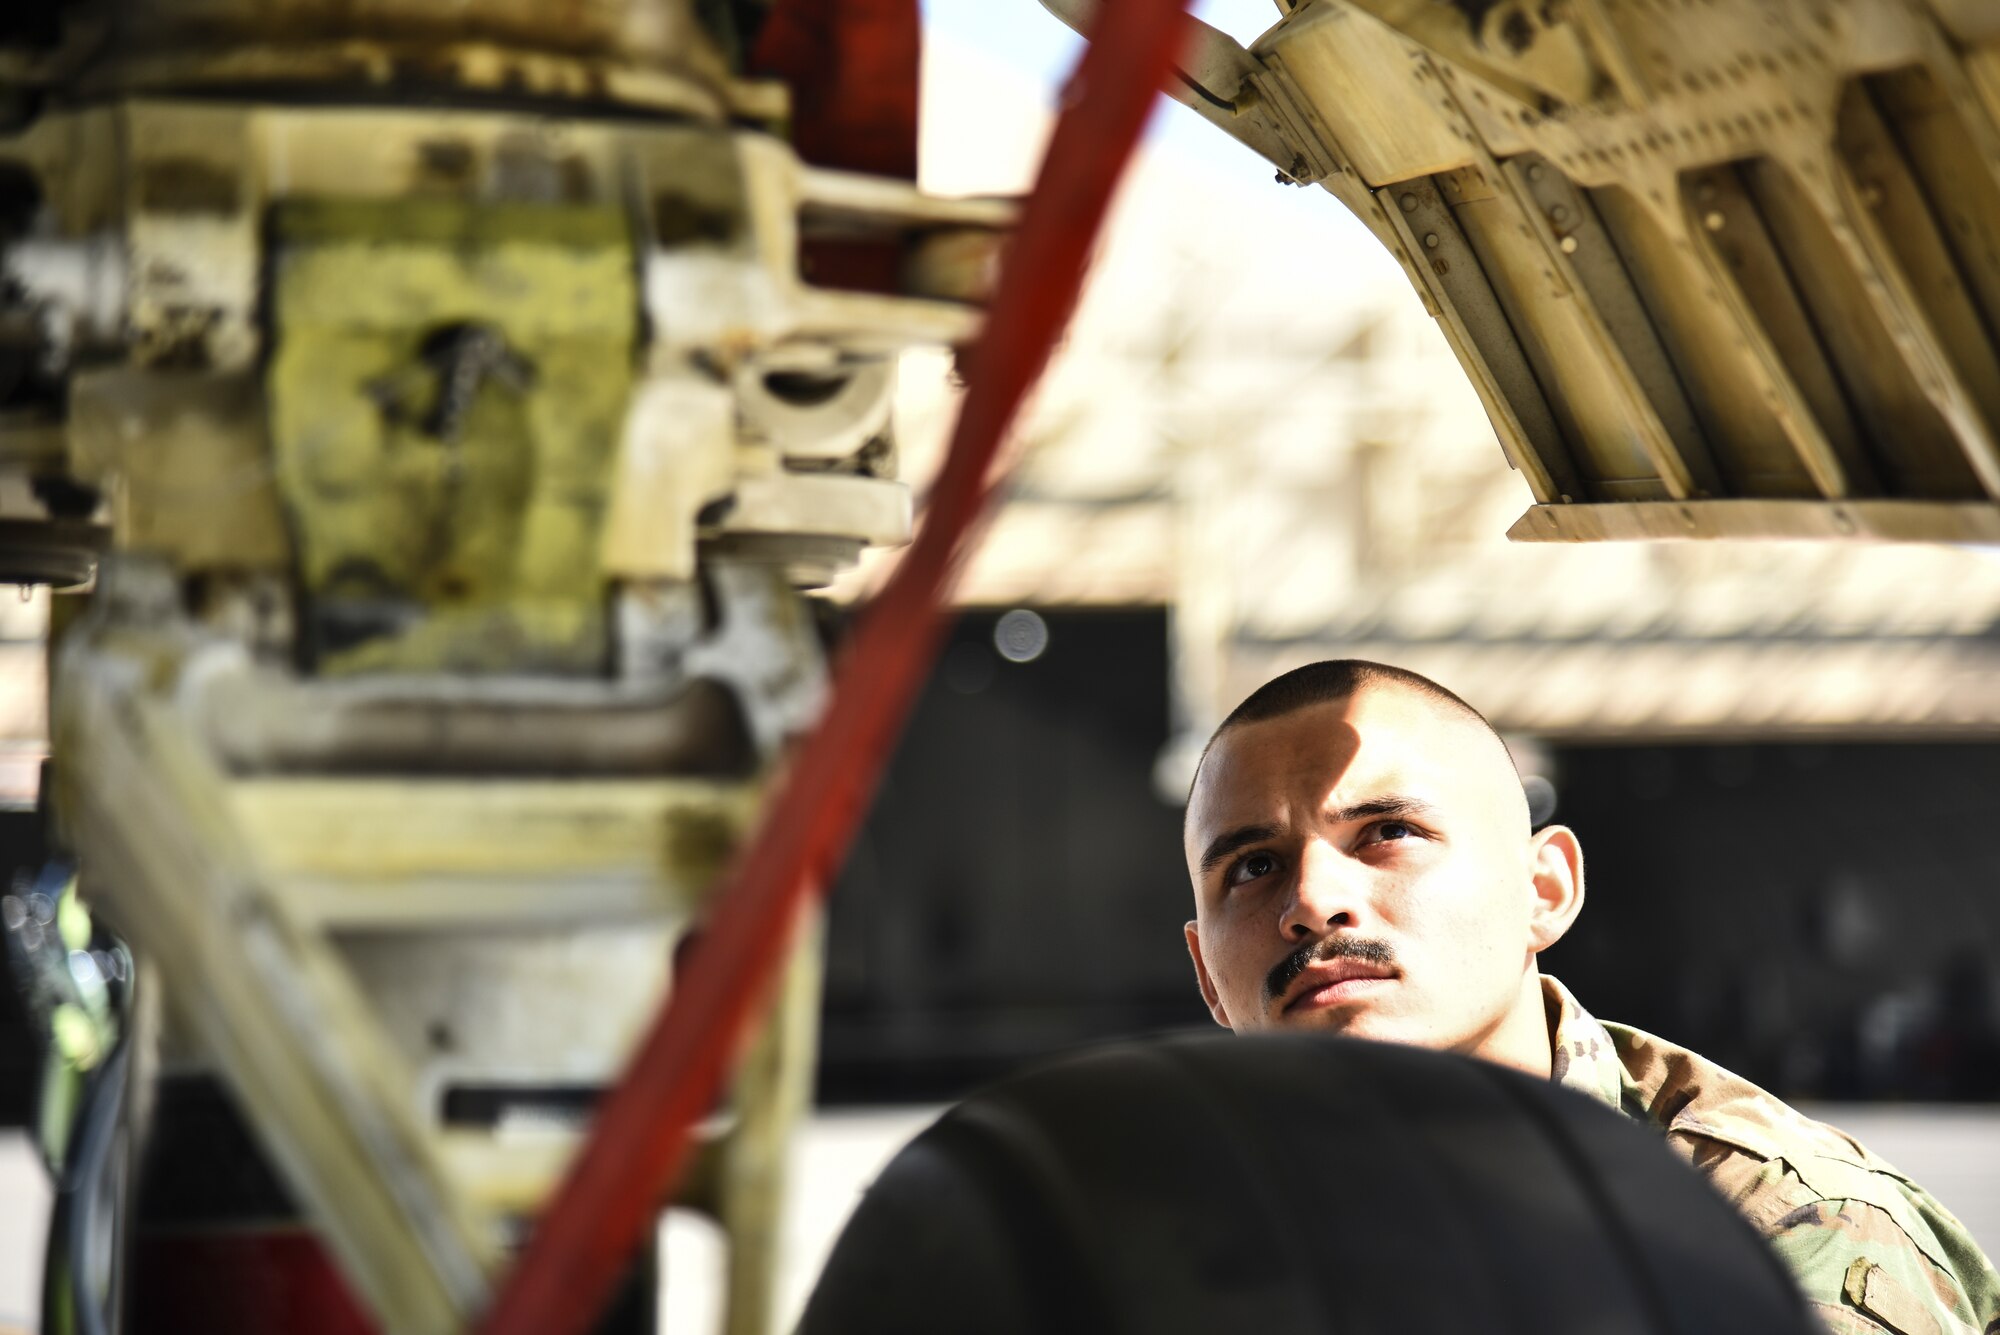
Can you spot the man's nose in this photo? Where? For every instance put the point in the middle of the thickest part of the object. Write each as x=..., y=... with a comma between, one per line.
x=1325, y=894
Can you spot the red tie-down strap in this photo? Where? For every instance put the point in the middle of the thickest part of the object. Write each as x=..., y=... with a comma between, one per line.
x=640, y=1140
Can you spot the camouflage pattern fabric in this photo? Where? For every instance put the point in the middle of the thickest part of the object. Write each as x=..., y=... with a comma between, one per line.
x=1872, y=1250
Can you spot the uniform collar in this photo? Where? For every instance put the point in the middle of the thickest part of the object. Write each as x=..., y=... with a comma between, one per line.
x=1582, y=1056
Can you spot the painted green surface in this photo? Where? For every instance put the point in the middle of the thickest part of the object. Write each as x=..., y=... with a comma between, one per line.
x=481, y=535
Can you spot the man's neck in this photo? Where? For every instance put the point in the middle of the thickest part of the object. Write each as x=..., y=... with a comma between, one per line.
x=1525, y=1037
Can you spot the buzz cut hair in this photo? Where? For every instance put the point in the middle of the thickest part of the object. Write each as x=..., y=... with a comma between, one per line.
x=1335, y=679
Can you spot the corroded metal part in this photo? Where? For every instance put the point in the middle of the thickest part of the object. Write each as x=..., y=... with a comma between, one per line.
x=219, y=279
x=654, y=54
x=447, y=386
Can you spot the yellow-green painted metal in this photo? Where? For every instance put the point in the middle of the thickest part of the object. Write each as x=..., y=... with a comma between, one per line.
x=486, y=525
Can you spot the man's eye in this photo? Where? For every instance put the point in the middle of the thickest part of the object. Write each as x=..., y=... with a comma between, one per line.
x=1395, y=829
x=1252, y=868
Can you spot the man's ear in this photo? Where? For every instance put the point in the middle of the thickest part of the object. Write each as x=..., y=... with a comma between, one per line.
x=1555, y=867
x=1208, y=992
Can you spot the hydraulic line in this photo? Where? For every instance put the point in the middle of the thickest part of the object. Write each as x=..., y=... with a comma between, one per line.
x=640, y=1141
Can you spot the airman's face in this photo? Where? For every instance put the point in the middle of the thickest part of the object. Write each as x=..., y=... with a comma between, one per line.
x=1365, y=866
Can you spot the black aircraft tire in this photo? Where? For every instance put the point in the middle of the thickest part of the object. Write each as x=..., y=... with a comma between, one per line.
x=1288, y=1185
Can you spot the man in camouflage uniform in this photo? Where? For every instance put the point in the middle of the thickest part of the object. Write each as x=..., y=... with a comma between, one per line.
x=1362, y=862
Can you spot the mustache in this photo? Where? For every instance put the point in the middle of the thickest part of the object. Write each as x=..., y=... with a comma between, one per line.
x=1288, y=969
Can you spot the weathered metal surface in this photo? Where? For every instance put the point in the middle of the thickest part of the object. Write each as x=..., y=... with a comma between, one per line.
x=732, y=213
x=470, y=453
x=669, y=712
x=654, y=54
x=640, y=30
x=1477, y=324
x=1741, y=249
x=804, y=411
x=368, y=945
x=274, y=1005
x=446, y=384
x=185, y=459
x=265, y=720
x=751, y=1165
x=374, y=853
x=1895, y=521
x=744, y=367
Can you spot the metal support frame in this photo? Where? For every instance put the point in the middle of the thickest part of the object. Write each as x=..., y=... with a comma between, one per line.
x=281, y=894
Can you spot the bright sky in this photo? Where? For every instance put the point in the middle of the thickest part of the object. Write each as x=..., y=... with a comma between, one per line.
x=1027, y=38
x=1025, y=35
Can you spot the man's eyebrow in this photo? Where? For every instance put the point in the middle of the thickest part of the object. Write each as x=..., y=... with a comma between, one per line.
x=1220, y=847
x=1377, y=807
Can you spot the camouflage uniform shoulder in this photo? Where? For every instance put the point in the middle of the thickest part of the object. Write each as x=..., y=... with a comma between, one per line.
x=1872, y=1250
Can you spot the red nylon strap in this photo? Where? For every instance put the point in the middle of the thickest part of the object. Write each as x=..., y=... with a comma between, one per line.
x=640, y=1141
